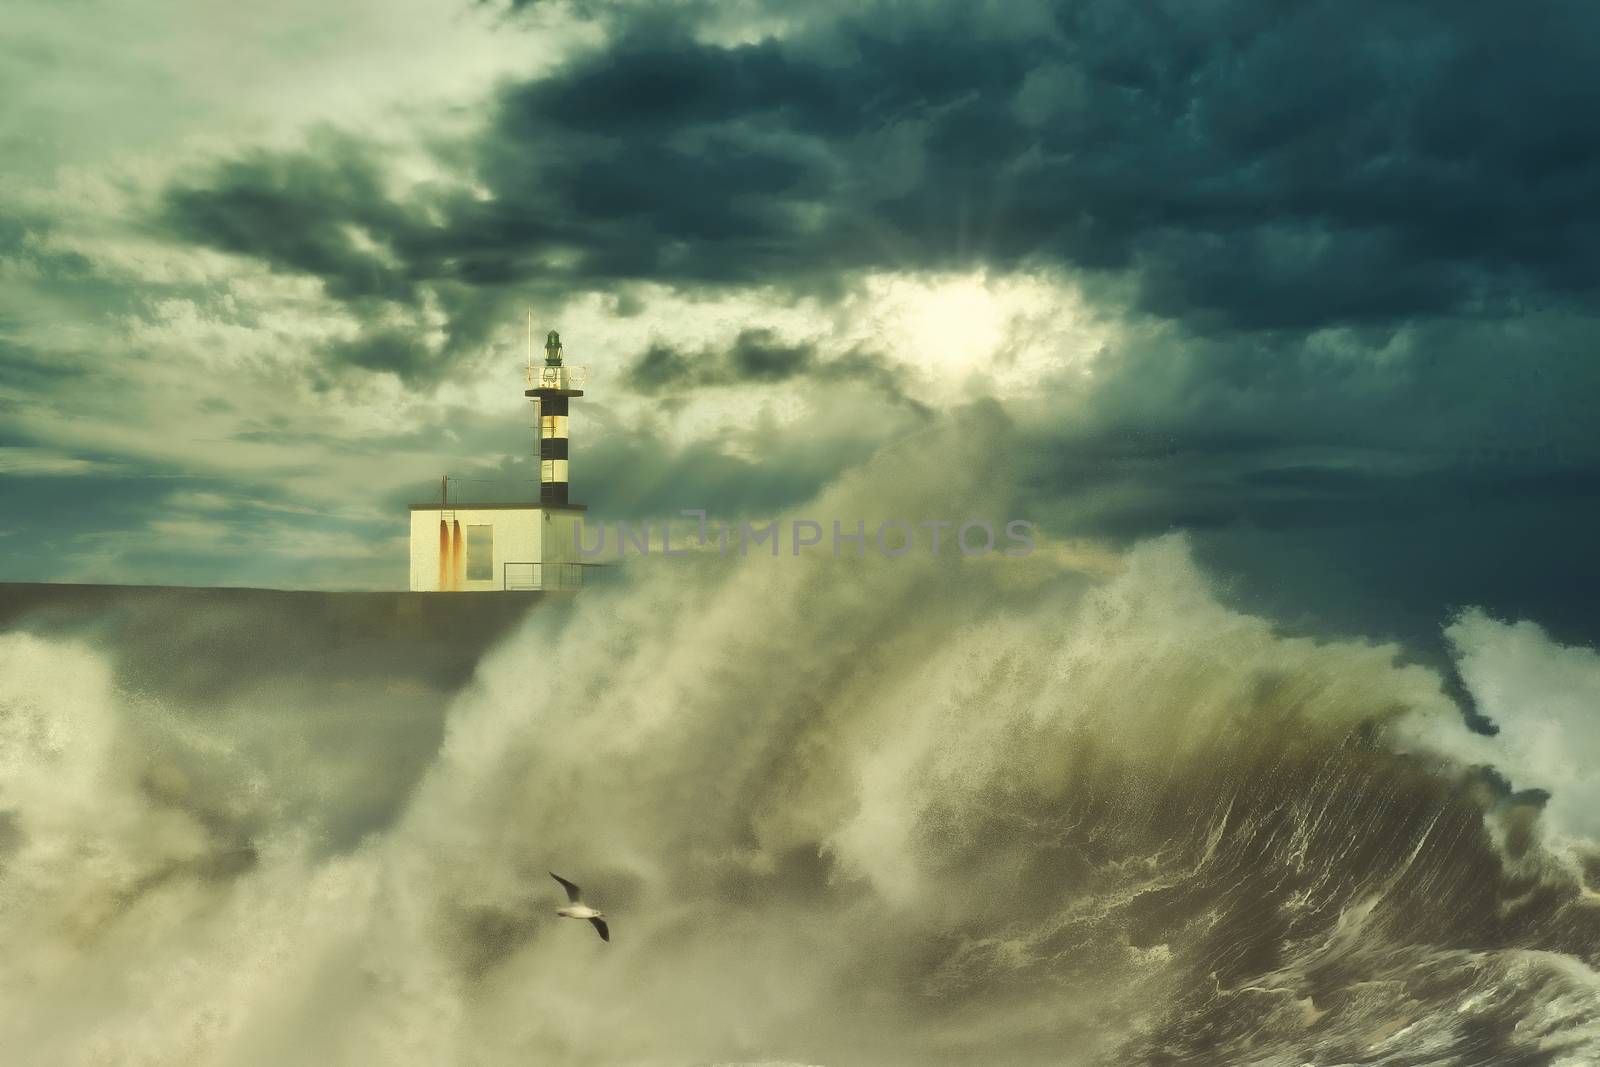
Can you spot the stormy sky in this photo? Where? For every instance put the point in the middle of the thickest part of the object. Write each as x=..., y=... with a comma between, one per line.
x=1315, y=282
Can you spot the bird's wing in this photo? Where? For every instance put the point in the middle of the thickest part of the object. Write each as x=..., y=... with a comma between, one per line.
x=600, y=924
x=572, y=890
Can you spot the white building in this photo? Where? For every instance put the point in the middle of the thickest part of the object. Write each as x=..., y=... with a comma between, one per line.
x=531, y=545
x=483, y=547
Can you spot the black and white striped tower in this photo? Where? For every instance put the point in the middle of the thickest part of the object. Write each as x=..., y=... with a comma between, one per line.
x=552, y=387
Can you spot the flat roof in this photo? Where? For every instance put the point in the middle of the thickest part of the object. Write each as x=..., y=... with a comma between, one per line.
x=529, y=506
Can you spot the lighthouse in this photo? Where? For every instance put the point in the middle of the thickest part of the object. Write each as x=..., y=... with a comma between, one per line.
x=459, y=545
x=551, y=391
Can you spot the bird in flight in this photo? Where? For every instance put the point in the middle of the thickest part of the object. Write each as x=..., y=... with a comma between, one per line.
x=580, y=910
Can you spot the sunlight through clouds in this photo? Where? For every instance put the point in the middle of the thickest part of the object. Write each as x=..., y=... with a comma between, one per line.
x=980, y=331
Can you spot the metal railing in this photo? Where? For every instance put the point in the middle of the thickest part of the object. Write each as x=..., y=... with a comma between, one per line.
x=565, y=376
x=526, y=577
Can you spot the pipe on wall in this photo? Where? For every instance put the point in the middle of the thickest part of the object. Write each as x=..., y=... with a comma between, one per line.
x=457, y=557
x=444, y=554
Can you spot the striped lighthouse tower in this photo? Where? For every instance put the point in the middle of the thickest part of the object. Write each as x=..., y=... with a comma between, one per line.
x=551, y=387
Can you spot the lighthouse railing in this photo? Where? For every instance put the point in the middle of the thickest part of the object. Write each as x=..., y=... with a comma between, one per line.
x=563, y=377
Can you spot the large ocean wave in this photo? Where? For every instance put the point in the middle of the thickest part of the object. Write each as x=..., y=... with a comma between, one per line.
x=1062, y=809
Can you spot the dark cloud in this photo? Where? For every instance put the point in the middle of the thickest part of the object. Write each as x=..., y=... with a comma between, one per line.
x=25, y=241
x=1252, y=167
x=400, y=351
x=324, y=212
x=328, y=211
x=1366, y=484
x=21, y=367
x=758, y=357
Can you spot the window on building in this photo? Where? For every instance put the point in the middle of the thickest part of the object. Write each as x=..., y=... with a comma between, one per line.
x=480, y=553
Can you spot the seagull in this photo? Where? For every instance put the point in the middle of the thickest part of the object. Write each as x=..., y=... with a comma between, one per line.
x=579, y=909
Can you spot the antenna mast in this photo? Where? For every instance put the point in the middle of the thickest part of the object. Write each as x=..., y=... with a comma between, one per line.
x=538, y=408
